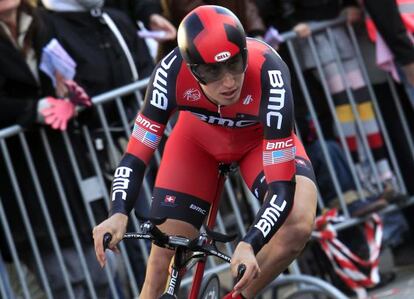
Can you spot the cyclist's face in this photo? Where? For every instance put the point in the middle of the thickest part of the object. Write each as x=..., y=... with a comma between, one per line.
x=222, y=82
x=225, y=91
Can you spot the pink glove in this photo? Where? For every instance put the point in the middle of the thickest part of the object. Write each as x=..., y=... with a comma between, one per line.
x=58, y=113
x=77, y=94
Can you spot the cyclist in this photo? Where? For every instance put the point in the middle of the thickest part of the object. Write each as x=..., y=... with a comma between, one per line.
x=235, y=105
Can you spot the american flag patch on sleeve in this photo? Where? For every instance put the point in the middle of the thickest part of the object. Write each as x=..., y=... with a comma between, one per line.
x=146, y=137
x=279, y=156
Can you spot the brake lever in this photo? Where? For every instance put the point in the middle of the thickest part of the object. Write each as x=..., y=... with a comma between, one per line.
x=219, y=237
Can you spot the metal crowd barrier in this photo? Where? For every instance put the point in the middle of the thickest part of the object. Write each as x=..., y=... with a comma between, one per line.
x=93, y=186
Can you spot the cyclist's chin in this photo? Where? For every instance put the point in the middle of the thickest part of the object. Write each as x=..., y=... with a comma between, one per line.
x=229, y=98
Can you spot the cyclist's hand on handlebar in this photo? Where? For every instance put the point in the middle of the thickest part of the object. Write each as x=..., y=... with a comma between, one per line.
x=116, y=227
x=244, y=255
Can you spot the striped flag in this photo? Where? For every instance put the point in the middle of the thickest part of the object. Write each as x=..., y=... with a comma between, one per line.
x=146, y=137
x=279, y=156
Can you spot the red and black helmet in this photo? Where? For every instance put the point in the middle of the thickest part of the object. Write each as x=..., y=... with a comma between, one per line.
x=211, y=34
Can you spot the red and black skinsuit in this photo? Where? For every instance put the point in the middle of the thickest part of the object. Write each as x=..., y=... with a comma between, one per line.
x=256, y=132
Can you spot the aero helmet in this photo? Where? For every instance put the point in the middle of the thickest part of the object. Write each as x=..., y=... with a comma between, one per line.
x=211, y=34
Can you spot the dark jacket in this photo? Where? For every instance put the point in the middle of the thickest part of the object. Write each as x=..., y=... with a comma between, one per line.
x=296, y=11
x=387, y=19
x=19, y=90
x=136, y=9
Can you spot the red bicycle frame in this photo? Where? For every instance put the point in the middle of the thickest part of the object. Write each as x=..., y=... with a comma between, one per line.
x=211, y=220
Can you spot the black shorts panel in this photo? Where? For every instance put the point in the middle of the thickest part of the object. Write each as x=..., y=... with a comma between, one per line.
x=180, y=206
x=303, y=168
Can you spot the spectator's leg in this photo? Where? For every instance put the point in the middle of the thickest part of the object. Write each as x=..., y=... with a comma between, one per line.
x=368, y=118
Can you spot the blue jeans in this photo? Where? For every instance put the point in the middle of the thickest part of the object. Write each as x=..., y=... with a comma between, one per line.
x=323, y=176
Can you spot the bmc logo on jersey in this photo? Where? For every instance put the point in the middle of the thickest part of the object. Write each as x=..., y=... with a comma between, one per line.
x=222, y=56
x=192, y=94
x=270, y=216
x=159, y=93
x=147, y=124
x=121, y=182
x=275, y=145
x=276, y=99
x=225, y=122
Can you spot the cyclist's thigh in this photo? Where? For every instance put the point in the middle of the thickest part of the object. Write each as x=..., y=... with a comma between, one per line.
x=186, y=180
x=251, y=168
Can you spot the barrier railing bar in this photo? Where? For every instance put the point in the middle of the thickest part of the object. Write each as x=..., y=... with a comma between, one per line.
x=403, y=118
x=95, y=163
x=121, y=91
x=233, y=202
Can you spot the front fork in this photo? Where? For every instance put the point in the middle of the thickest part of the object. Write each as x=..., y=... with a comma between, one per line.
x=178, y=271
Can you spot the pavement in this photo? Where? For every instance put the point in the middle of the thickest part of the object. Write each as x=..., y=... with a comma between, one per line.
x=401, y=288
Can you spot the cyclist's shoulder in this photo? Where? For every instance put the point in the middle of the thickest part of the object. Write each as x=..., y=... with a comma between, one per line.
x=261, y=54
x=171, y=62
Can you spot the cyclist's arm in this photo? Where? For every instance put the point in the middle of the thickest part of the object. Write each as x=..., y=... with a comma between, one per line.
x=276, y=114
x=146, y=135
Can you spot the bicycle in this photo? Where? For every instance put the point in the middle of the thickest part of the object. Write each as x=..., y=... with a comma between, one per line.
x=190, y=252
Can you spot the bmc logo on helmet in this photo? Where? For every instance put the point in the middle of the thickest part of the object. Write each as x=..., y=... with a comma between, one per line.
x=222, y=56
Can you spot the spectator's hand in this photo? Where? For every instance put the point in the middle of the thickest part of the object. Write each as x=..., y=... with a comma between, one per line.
x=353, y=14
x=408, y=70
x=60, y=89
x=158, y=22
x=58, y=113
x=302, y=30
x=116, y=226
x=76, y=94
x=244, y=255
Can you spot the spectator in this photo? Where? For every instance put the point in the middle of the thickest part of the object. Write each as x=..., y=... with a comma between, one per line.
x=93, y=45
x=97, y=48
x=22, y=37
x=386, y=17
x=245, y=10
x=299, y=15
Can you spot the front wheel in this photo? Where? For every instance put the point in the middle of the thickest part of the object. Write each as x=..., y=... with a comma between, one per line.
x=210, y=288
